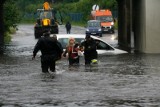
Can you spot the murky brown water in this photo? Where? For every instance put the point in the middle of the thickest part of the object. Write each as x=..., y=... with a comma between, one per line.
x=129, y=80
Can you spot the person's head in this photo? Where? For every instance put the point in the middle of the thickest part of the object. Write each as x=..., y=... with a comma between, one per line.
x=46, y=33
x=71, y=41
x=55, y=36
x=88, y=37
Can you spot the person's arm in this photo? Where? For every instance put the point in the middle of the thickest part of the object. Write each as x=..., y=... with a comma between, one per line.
x=65, y=52
x=82, y=45
x=36, y=49
x=60, y=49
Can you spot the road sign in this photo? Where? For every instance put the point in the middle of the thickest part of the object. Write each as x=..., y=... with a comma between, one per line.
x=95, y=7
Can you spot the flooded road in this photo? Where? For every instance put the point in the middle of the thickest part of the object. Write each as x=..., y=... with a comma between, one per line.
x=128, y=80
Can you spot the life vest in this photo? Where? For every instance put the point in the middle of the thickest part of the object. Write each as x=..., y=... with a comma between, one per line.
x=73, y=52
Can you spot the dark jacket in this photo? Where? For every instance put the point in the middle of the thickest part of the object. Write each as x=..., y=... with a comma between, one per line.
x=90, y=47
x=68, y=26
x=48, y=46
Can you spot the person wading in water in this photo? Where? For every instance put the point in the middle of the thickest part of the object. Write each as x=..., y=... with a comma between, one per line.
x=50, y=50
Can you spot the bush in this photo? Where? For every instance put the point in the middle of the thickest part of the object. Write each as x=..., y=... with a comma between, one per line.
x=7, y=37
x=116, y=24
x=11, y=14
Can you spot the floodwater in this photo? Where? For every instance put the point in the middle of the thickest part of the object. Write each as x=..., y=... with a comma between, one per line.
x=127, y=80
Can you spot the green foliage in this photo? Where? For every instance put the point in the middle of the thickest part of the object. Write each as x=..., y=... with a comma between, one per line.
x=11, y=17
x=7, y=37
x=65, y=7
x=70, y=1
x=31, y=8
x=116, y=24
x=23, y=4
x=12, y=30
x=85, y=7
x=11, y=14
x=109, y=4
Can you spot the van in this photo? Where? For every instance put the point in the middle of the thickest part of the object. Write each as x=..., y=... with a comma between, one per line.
x=106, y=19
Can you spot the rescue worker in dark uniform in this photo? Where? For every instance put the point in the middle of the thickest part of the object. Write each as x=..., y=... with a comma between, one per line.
x=59, y=45
x=50, y=50
x=90, y=53
x=68, y=27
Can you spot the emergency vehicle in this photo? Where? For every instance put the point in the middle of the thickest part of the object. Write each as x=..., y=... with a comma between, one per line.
x=106, y=18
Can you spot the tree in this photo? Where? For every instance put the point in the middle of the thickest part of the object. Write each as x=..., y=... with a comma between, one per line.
x=11, y=14
x=1, y=26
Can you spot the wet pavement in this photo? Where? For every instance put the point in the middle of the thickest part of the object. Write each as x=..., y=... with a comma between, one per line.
x=127, y=80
